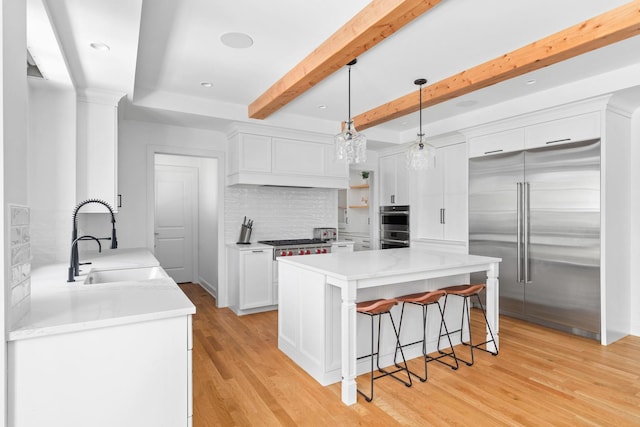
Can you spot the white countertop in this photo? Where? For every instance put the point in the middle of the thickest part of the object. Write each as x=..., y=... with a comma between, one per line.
x=255, y=246
x=384, y=263
x=60, y=307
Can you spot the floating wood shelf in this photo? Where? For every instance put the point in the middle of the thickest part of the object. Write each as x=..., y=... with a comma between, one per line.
x=358, y=206
x=360, y=186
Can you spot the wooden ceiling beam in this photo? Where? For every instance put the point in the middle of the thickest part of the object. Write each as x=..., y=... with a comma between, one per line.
x=605, y=29
x=374, y=23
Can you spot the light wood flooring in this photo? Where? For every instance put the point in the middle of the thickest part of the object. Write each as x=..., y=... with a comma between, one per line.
x=541, y=377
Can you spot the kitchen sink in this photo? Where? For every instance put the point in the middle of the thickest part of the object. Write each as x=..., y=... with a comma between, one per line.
x=125, y=275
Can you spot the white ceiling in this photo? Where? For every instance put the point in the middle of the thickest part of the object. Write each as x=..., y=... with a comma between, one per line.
x=161, y=50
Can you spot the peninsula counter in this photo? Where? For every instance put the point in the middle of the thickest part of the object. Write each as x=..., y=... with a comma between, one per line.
x=317, y=325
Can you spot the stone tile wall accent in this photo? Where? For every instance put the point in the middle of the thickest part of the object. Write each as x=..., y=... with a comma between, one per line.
x=279, y=212
x=20, y=247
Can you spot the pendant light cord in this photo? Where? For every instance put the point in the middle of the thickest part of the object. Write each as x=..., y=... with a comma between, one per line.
x=420, y=82
x=421, y=134
x=349, y=97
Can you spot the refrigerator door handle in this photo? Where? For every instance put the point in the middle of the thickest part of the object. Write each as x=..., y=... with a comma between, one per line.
x=519, y=232
x=526, y=211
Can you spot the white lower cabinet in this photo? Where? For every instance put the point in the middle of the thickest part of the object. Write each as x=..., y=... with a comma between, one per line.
x=342, y=246
x=128, y=376
x=255, y=283
x=360, y=242
x=252, y=278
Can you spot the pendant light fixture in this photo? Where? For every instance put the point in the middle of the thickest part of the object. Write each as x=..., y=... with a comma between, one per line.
x=350, y=144
x=421, y=155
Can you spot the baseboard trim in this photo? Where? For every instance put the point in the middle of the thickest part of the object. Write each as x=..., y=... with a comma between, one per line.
x=211, y=289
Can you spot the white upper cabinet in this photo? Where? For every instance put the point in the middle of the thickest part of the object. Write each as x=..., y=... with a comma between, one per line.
x=333, y=167
x=563, y=130
x=254, y=153
x=297, y=157
x=97, y=150
x=394, y=180
x=262, y=159
x=440, y=209
x=571, y=129
x=498, y=142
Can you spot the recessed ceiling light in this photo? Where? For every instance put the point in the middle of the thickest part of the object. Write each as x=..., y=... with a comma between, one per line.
x=206, y=84
x=322, y=107
x=531, y=81
x=403, y=123
x=236, y=40
x=100, y=46
x=467, y=103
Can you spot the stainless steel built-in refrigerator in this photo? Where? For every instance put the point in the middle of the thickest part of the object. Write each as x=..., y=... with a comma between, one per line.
x=539, y=210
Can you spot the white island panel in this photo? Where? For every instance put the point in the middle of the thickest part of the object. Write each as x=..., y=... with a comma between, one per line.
x=318, y=327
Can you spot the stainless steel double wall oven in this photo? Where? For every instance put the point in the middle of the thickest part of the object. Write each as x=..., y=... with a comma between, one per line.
x=394, y=226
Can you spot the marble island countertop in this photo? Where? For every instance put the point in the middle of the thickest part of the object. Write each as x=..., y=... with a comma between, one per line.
x=56, y=306
x=384, y=263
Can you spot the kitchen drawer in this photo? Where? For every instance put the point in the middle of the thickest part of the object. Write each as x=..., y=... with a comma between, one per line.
x=499, y=142
x=342, y=247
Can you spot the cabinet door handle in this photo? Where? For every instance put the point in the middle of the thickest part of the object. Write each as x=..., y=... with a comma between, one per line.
x=393, y=198
x=558, y=140
x=442, y=216
x=257, y=251
x=493, y=152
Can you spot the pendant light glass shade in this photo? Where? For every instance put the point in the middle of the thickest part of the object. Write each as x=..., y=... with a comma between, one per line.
x=351, y=144
x=421, y=155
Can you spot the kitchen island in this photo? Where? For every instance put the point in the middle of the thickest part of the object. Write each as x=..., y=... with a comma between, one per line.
x=317, y=325
x=102, y=354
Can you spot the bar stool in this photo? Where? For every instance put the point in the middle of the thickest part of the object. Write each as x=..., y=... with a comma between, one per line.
x=373, y=309
x=466, y=292
x=424, y=300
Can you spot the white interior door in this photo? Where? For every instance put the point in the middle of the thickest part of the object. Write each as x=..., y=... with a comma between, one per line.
x=176, y=220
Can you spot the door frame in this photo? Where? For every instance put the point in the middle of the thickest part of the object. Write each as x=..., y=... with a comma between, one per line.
x=222, y=299
x=195, y=230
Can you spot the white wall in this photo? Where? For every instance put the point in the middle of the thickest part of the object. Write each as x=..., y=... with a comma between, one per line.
x=52, y=177
x=634, y=232
x=207, y=214
x=208, y=247
x=133, y=139
x=13, y=156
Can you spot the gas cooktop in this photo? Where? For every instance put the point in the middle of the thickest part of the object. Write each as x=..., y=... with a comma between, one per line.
x=293, y=242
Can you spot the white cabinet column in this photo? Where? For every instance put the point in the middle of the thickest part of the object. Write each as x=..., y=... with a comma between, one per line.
x=394, y=180
x=97, y=149
x=440, y=208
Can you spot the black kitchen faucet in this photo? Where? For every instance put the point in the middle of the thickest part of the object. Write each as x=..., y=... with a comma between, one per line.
x=74, y=263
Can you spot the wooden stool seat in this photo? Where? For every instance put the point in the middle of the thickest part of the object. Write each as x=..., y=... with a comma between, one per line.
x=465, y=290
x=423, y=297
x=376, y=306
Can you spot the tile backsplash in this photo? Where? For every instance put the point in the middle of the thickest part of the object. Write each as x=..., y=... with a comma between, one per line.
x=20, y=247
x=279, y=212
